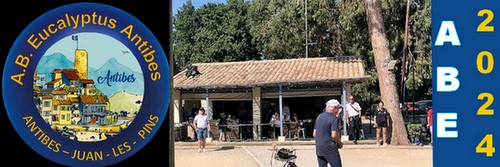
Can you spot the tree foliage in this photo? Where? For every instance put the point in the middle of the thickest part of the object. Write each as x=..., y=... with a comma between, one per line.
x=420, y=47
x=185, y=22
x=215, y=32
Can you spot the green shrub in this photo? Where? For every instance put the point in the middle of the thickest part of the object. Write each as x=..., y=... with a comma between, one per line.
x=414, y=131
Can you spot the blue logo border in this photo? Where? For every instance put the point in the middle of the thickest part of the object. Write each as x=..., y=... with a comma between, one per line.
x=18, y=99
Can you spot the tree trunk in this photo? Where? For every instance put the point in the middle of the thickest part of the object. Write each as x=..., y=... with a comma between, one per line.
x=386, y=77
x=170, y=113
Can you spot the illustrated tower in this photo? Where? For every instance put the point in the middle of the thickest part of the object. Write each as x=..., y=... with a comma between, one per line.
x=81, y=63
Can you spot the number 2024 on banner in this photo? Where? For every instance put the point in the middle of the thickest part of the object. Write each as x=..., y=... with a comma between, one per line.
x=465, y=82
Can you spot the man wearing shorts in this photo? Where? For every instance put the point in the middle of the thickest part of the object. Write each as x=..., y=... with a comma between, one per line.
x=202, y=125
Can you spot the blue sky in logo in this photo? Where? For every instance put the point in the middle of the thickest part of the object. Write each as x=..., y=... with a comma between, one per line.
x=100, y=48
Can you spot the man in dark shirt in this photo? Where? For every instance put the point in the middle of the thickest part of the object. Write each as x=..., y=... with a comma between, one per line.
x=271, y=110
x=327, y=135
x=222, y=123
x=194, y=113
x=194, y=110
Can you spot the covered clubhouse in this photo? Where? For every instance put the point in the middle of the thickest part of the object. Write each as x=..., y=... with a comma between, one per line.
x=244, y=90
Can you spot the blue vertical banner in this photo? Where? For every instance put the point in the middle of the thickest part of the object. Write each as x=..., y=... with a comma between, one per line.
x=466, y=81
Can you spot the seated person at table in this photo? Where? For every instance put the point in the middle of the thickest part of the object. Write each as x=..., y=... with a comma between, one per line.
x=275, y=124
x=294, y=126
x=286, y=123
x=222, y=123
x=232, y=128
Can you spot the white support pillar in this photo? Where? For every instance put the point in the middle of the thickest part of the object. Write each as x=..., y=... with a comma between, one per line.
x=345, y=137
x=207, y=104
x=281, y=138
x=176, y=97
x=208, y=109
x=256, y=106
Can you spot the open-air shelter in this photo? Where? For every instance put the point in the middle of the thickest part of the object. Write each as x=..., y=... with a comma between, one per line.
x=325, y=77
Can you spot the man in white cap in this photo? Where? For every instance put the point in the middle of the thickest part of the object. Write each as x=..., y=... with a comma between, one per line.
x=327, y=135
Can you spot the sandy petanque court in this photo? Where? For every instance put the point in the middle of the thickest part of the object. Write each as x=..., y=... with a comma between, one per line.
x=260, y=156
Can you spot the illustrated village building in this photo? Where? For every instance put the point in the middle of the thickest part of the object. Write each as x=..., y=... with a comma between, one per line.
x=69, y=98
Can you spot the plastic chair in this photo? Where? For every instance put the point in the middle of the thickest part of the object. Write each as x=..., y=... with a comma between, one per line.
x=361, y=134
x=302, y=130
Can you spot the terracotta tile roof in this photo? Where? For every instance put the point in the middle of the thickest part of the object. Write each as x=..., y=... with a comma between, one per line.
x=312, y=71
x=53, y=81
x=65, y=102
x=71, y=74
x=60, y=92
x=47, y=97
x=91, y=99
x=87, y=81
x=73, y=100
x=73, y=89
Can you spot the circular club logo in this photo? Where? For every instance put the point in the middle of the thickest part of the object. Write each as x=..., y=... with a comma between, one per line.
x=86, y=84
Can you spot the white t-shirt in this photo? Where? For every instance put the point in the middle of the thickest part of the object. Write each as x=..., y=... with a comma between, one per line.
x=201, y=121
x=286, y=113
x=275, y=121
x=353, y=109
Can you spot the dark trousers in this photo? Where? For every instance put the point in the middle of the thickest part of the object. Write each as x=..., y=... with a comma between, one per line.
x=277, y=132
x=333, y=160
x=354, y=129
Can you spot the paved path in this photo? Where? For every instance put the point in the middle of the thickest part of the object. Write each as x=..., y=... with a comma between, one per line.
x=260, y=156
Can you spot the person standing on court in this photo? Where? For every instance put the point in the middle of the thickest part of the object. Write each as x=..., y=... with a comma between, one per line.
x=194, y=113
x=429, y=122
x=203, y=126
x=327, y=135
x=354, y=113
x=381, y=123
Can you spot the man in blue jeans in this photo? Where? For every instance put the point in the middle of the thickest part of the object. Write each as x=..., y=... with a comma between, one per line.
x=327, y=135
x=202, y=125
